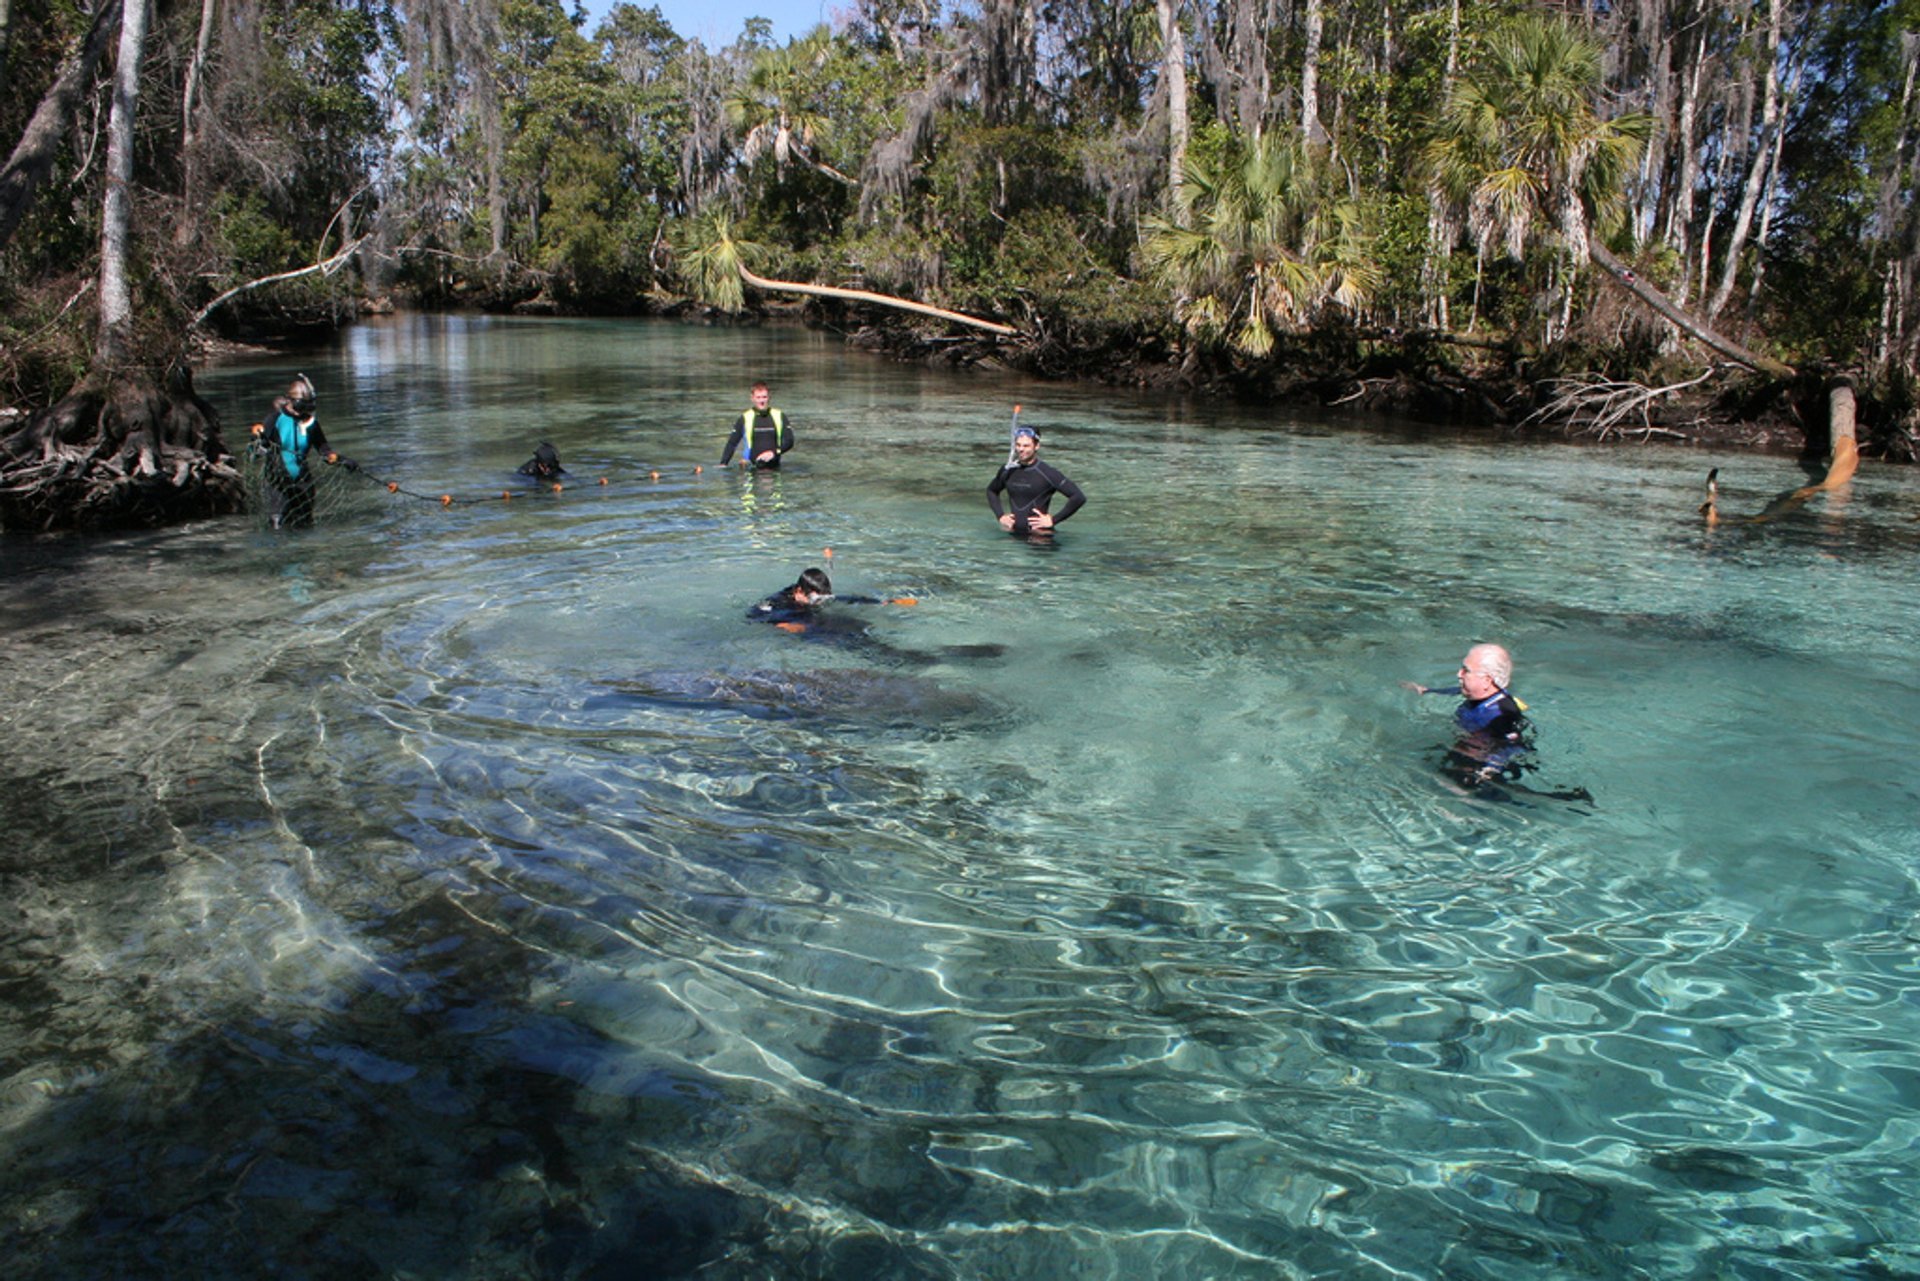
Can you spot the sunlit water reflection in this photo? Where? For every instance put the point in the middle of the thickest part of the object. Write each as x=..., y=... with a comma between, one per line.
x=471, y=891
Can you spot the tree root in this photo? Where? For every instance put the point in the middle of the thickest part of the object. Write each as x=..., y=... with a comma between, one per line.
x=130, y=454
x=1598, y=405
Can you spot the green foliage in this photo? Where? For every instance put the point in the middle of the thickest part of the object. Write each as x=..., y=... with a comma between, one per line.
x=1264, y=244
x=593, y=236
x=1024, y=164
x=708, y=257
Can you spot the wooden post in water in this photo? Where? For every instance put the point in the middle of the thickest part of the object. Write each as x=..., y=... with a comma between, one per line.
x=1843, y=459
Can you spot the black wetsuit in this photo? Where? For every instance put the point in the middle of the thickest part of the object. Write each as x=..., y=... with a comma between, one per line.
x=1492, y=734
x=765, y=436
x=782, y=609
x=544, y=465
x=1029, y=488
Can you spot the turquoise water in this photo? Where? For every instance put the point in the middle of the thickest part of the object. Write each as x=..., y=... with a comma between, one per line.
x=458, y=891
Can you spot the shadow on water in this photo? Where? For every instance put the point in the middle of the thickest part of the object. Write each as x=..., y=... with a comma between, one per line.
x=431, y=1123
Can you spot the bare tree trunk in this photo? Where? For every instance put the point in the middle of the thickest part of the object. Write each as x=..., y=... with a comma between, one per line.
x=6, y=30
x=1889, y=341
x=114, y=343
x=1173, y=69
x=1314, y=24
x=1247, y=29
x=190, y=124
x=1764, y=234
x=32, y=158
x=495, y=144
x=1762, y=163
x=1439, y=233
x=1679, y=230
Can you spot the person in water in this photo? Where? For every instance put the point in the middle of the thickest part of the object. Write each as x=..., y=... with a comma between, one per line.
x=760, y=433
x=1029, y=486
x=544, y=465
x=287, y=444
x=1493, y=723
x=798, y=608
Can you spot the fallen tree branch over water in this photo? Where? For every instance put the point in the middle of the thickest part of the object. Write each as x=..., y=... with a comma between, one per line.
x=1623, y=276
x=713, y=260
x=325, y=267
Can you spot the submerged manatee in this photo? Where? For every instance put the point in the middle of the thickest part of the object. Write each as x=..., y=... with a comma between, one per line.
x=856, y=695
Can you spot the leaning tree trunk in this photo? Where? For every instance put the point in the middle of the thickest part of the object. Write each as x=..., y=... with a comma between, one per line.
x=1623, y=276
x=33, y=156
x=877, y=300
x=124, y=448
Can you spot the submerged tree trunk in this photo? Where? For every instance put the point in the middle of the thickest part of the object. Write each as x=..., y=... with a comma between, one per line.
x=1843, y=460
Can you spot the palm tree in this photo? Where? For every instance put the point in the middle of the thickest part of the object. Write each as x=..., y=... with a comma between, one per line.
x=773, y=107
x=1521, y=152
x=1257, y=248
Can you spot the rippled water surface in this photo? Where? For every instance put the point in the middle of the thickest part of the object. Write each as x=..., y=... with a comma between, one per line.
x=471, y=891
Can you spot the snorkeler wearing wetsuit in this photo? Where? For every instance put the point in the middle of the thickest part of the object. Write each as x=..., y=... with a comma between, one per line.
x=544, y=465
x=1030, y=485
x=797, y=608
x=760, y=434
x=1492, y=721
x=286, y=444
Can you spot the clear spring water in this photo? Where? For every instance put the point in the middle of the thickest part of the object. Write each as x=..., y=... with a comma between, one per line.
x=472, y=892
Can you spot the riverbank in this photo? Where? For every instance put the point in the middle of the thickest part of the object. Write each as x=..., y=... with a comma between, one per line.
x=1452, y=380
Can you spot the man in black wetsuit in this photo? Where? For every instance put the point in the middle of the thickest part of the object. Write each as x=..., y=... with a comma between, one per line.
x=1030, y=485
x=760, y=433
x=795, y=608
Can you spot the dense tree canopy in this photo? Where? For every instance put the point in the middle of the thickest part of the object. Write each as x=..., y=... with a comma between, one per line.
x=1200, y=175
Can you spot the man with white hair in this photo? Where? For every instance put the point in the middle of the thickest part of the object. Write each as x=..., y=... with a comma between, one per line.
x=1493, y=722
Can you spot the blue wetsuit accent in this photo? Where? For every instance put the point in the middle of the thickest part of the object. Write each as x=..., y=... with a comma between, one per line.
x=1492, y=730
x=294, y=441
